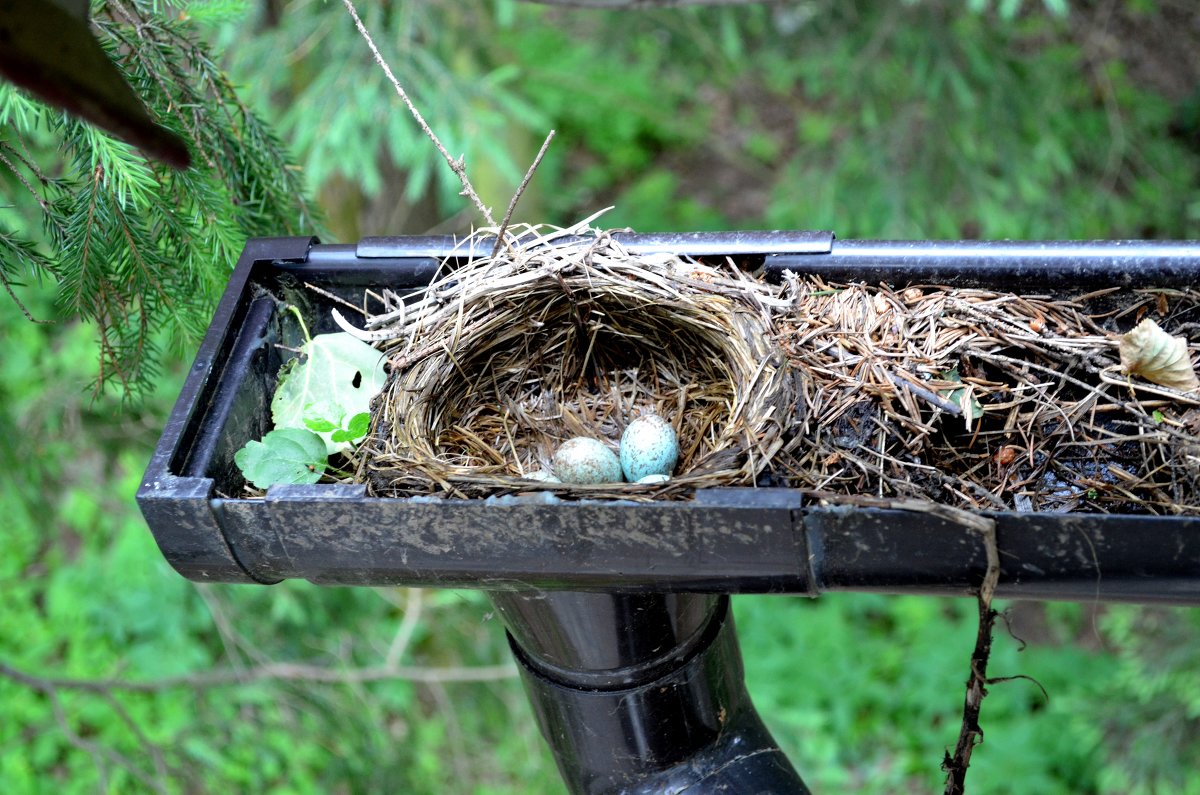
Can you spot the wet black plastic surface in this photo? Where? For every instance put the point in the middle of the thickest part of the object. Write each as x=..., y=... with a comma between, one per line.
x=604, y=640
x=691, y=729
x=723, y=541
x=1071, y=265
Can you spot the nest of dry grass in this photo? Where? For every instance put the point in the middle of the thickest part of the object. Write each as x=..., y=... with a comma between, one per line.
x=499, y=362
x=975, y=398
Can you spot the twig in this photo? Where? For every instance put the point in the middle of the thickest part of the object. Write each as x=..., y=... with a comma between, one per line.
x=335, y=298
x=229, y=636
x=458, y=748
x=925, y=394
x=971, y=734
x=20, y=305
x=21, y=178
x=408, y=625
x=298, y=672
x=91, y=749
x=101, y=756
x=512, y=205
x=155, y=752
x=457, y=166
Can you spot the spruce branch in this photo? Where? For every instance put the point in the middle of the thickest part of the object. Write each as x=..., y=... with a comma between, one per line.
x=21, y=251
x=457, y=166
x=138, y=249
x=21, y=177
x=18, y=250
x=138, y=50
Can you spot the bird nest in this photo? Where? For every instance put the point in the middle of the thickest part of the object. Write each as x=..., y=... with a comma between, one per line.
x=976, y=398
x=497, y=363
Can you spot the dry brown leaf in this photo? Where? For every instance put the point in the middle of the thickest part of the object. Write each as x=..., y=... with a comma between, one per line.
x=1155, y=355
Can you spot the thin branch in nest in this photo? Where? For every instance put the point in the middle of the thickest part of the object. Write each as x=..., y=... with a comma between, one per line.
x=335, y=298
x=926, y=395
x=512, y=205
x=457, y=166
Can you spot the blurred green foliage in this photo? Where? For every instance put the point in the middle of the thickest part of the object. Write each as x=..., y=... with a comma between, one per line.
x=85, y=594
x=886, y=120
x=924, y=118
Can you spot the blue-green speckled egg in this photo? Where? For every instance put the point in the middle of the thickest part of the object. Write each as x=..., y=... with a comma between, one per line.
x=586, y=461
x=648, y=447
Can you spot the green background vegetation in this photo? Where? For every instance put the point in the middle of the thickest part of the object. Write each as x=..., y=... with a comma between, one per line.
x=938, y=118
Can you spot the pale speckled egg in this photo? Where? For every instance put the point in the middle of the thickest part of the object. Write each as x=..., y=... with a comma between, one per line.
x=649, y=446
x=586, y=462
x=651, y=479
x=544, y=476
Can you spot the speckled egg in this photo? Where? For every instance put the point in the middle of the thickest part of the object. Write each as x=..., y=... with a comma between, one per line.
x=652, y=479
x=586, y=461
x=544, y=476
x=648, y=447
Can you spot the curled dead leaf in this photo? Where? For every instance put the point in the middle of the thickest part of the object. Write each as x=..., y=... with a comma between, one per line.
x=1155, y=355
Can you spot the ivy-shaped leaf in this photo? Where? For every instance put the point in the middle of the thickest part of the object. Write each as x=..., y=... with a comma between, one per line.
x=355, y=429
x=286, y=455
x=320, y=425
x=335, y=377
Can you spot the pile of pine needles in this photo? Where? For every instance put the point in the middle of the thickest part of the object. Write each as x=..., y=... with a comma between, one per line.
x=967, y=397
x=986, y=400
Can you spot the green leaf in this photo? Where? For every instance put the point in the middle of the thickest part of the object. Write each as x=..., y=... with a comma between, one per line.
x=356, y=429
x=962, y=397
x=287, y=455
x=336, y=377
x=320, y=424
x=360, y=424
x=1158, y=416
